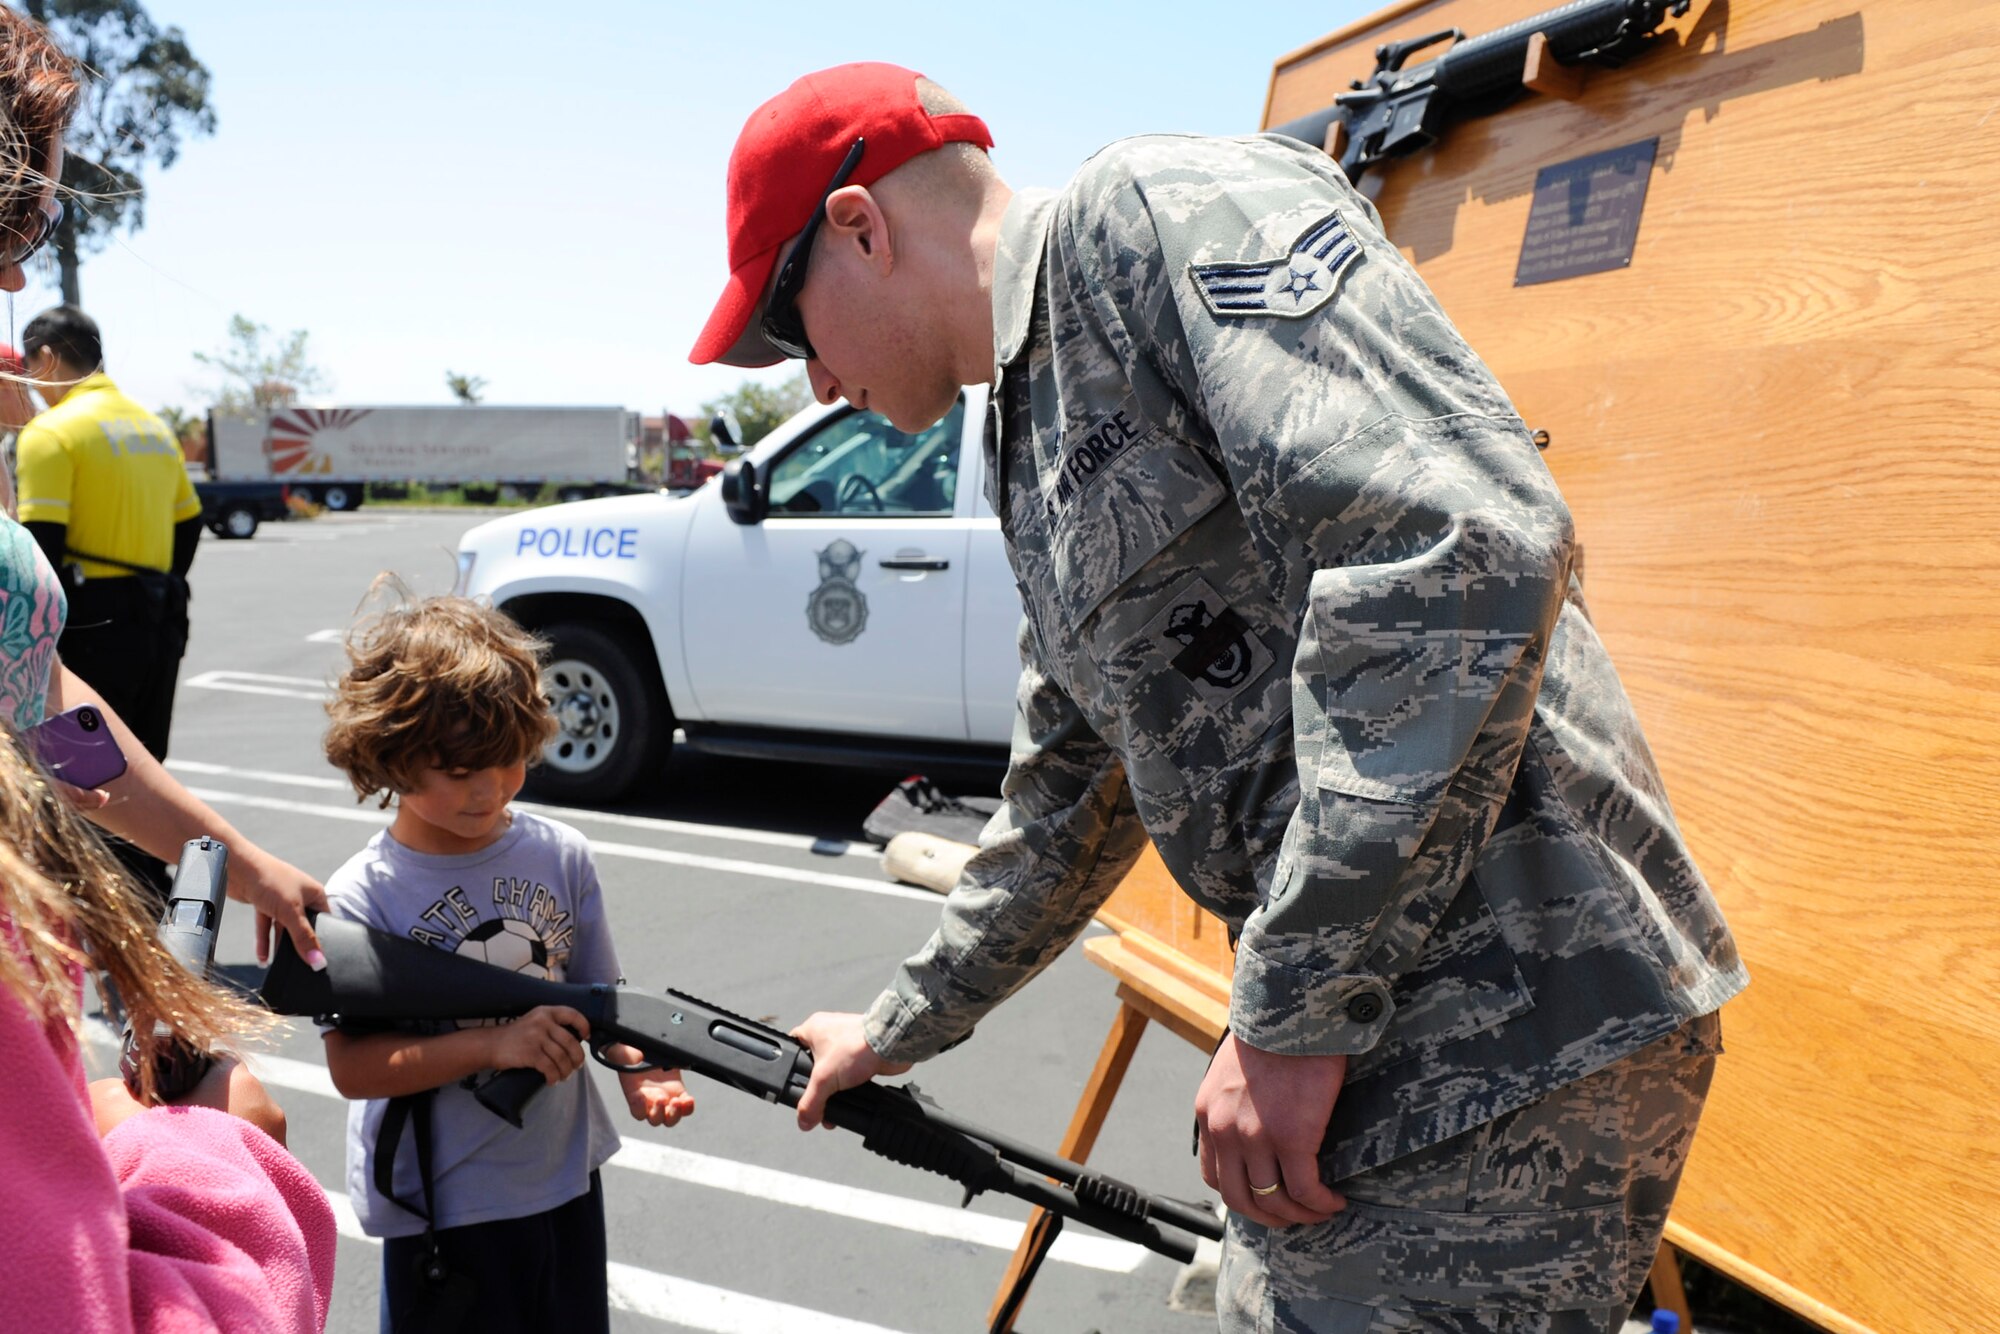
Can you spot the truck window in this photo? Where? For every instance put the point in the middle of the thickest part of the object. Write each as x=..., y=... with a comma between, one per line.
x=860, y=465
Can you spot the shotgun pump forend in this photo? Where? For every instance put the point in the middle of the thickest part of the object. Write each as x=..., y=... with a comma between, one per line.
x=374, y=977
x=1401, y=108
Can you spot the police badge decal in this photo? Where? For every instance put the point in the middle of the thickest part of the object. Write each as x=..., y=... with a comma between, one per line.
x=837, y=611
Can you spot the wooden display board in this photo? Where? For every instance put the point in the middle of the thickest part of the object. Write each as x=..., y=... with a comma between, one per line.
x=1779, y=430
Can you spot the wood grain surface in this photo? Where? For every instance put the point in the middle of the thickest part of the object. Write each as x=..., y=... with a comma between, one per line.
x=1779, y=429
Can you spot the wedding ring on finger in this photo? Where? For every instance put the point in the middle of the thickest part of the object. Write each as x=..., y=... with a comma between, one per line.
x=1271, y=1189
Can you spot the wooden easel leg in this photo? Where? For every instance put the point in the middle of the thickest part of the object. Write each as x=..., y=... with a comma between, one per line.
x=1112, y=1060
x=1668, y=1294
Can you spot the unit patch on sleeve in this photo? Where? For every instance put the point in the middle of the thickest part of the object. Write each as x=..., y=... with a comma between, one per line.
x=1291, y=286
x=1209, y=643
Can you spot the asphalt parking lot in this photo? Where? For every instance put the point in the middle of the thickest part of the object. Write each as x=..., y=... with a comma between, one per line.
x=742, y=883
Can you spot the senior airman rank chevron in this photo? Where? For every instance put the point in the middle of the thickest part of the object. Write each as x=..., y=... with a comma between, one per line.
x=1292, y=285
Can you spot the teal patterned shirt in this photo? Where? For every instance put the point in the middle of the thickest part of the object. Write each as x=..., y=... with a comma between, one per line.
x=32, y=610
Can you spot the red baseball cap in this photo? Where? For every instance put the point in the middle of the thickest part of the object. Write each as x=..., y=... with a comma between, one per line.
x=788, y=151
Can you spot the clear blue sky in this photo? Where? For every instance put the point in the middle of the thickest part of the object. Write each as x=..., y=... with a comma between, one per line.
x=533, y=193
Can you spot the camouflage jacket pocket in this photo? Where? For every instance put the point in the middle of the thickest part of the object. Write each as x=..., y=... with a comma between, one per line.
x=1396, y=704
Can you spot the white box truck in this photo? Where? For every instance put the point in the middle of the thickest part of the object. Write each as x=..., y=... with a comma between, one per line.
x=331, y=454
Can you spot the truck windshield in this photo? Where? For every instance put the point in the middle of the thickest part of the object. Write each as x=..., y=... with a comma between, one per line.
x=859, y=464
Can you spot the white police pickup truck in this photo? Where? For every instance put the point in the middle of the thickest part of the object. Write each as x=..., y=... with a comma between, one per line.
x=840, y=594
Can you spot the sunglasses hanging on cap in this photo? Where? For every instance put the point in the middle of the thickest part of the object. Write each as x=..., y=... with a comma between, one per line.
x=782, y=326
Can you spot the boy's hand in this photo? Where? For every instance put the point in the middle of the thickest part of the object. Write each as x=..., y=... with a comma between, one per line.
x=656, y=1097
x=548, y=1038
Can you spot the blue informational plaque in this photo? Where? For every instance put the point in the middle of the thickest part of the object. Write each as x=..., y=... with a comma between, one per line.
x=1585, y=217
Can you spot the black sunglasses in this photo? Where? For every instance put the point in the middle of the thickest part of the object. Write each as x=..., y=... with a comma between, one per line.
x=22, y=251
x=782, y=327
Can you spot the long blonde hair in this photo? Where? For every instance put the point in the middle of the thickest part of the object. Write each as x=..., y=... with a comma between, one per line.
x=39, y=91
x=66, y=904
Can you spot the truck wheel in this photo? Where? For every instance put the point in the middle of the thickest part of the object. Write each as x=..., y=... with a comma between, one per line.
x=237, y=521
x=340, y=497
x=571, y=494
x=608, y=701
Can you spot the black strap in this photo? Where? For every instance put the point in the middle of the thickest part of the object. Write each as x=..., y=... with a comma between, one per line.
x=399, y=1111
x=74, y=554
x=447, y=1296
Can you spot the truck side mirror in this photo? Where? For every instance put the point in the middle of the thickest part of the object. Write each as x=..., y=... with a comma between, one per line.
x=741, y=495
x=723, y=431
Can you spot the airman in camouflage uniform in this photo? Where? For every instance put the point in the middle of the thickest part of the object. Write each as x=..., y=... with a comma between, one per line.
x=1303, y=609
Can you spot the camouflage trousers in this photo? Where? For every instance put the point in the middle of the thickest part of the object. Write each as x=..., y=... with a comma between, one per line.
x=1542, y=1221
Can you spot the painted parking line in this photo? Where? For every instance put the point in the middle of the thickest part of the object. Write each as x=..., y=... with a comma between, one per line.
x=695, y=860
x=869, y=1206
x=261, y=683
x=788, y=1188
x=678, y=1301
x=825, y=847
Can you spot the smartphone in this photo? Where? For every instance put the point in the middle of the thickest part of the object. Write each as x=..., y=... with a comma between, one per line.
x=77, y=747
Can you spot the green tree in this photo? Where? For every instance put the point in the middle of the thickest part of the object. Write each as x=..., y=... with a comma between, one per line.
x=260, y=369
x=143, y=91
x=467, y=389
x=189, y=429
x=761, y=406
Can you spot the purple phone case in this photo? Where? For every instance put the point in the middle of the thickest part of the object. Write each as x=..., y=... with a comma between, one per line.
x=77, y=747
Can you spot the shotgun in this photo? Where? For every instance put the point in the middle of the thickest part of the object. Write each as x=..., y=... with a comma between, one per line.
x=373, y=977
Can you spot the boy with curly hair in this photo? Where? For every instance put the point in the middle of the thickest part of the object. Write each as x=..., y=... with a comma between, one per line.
x=440, y=711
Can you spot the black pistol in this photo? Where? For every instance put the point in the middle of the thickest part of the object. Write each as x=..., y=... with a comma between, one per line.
x=188, y=928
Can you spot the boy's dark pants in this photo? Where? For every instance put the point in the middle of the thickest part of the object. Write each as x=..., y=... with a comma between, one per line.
x=526, y=1275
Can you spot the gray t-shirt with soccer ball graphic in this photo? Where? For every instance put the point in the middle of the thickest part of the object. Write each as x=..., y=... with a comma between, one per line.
x=529, y=902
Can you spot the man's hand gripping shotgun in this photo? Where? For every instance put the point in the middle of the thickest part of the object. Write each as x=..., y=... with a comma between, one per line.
x=372, y=976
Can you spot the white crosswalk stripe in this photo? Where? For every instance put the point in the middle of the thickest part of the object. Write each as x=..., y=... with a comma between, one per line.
x=788, y=1188
x=729, y=833
x=679, y=1301
x=259, y=683
x=668, y=857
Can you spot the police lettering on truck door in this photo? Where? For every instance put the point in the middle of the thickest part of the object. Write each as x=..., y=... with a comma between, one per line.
x=598, y=543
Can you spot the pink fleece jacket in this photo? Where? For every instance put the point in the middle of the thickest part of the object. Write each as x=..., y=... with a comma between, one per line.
x=181, y=1219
